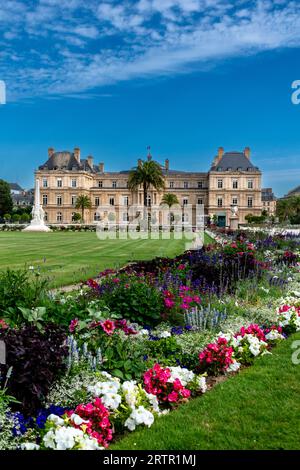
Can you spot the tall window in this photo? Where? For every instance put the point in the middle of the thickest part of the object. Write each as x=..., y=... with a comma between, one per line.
x=97, y=201
x=73, y=200
x=185, y=201
x=235, y=184
x=220, y=184
x=46, y=217
x=100, y=184
x=235, y=201
x=59, y=217
x=125, y=217
x=74, y=183
x=148, y=200
x=220, y=202
x=125, y=201
x=171, y=185
x=45, y=183
x=59, y=182
x=250, y=201
x=200, y=184
x=250, y=184
x=200, y=200
x=45, y=199
x=114, y=184
x=58, y=200
x=185, y=184
x=111, y=201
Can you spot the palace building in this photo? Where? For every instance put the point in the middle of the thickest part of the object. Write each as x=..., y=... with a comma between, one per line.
x=233, y=180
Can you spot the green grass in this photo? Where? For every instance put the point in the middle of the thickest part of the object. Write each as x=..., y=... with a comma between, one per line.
x=257, y=409
x=67, y=258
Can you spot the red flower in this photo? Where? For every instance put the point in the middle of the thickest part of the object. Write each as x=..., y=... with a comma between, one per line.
x=108, y=326
x=3, y=325
x=73, y=325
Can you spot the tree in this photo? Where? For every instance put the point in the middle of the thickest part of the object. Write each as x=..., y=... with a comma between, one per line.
x=7, y=217
x=76, y=217
x=147, y=173
x=83, y=202
x=6, y=202
x=286, y=208
x=170, y=199
x=16, y=218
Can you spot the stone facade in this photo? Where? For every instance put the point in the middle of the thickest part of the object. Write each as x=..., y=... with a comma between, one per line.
x=232, y=180
x=269, y=201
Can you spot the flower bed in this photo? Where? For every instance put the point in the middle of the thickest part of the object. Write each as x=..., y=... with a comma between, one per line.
x=133, y=345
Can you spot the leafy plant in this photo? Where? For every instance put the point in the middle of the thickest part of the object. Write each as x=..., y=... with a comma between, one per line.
x=37, y=359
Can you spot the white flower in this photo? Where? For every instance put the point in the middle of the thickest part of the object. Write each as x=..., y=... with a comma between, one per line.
x=56, y=420
x=234, y=367
x=164, y=334
x=62, y=438
x=184, y=375
x=274, y=335
x=29, y=446
x=153, y=402
x=201, y=381
x=103, y=388
x=139, y=416
x=144, y=333
x=111, y=400
x=77, y=419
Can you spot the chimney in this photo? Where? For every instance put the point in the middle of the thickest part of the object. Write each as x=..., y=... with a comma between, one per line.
x=167, y=164
x=77, y=153
x=247, y=152
x=219, y=156
x=90, y=161
x=140, y=162
x=50, y=152
x=101, y=167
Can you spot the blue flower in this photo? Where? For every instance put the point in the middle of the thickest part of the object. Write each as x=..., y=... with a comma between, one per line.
x=43, y=414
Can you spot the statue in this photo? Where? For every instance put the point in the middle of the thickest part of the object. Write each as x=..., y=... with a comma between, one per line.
x=234, y=210
x=37, y=223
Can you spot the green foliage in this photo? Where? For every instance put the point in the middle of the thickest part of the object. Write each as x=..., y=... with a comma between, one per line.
x=6, y=203
x=135, y=301
x=20, y=289
x=148, y=173
x=83, y=202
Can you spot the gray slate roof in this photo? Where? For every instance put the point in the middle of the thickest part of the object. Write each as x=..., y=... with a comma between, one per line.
x=66, y=161
x=15, y=187
x=293, y=192
x=234, y=161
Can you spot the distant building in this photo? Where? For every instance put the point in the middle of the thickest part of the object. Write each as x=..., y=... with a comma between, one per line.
x=293, y=192
x=269, y=201
x=21, y=197
x=232, y=180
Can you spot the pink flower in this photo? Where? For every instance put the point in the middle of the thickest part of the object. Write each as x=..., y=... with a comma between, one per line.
x=73, y=325
x=108, y=326
x=173, y=397
x=186, y=393
x=3, y=325
x=181, y=267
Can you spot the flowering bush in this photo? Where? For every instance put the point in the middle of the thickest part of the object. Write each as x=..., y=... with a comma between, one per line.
x=169, y=385
x=289, y=318
x=216, y=357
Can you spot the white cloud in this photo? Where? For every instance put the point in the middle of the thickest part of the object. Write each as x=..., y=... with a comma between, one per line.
x=80, y=45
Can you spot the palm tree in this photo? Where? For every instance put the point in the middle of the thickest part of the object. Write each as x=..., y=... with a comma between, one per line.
x=147, y=173
x=285, y=208
x=170, y=199
x=83, y=202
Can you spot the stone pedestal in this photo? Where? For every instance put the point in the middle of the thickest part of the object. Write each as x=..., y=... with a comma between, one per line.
x=37, y=223
x=234, y=223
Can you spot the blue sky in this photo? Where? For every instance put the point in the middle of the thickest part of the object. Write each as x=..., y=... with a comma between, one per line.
x=183, y=76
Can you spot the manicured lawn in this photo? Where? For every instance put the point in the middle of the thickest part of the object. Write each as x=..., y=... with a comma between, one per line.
x=257, y=409
x=68, y=258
